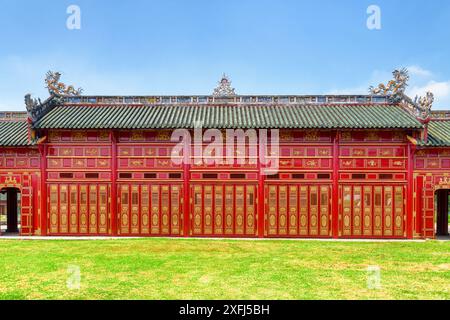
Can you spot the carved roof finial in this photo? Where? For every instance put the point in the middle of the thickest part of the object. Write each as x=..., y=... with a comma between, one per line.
x=394, y=89
x=57, y=88
x=224, y=88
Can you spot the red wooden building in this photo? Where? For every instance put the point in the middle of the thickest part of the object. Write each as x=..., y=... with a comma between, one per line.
x=349, y=167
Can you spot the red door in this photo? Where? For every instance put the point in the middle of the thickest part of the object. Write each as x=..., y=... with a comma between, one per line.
x=223, y=210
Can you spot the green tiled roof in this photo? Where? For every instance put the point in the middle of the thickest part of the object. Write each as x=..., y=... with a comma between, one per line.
x=438, y=134
x=14, y=133
x=227, y=116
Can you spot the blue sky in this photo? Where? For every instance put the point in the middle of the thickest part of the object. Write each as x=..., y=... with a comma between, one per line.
x=183, y=47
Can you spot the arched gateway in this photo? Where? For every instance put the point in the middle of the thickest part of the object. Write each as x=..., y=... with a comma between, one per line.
x=228, y=165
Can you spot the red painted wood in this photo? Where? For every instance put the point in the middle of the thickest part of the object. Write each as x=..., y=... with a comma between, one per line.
x=186, y=201
x=114, y=214
x=335, y=191
x=44, y=152
x=308, y=159
x=260, y=202
x=409, y=197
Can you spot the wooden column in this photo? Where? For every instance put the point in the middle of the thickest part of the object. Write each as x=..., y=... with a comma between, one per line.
x=188, y=144
x=335, y=194
x=43, y=148
x=260, y=201
x=409, y=192
x=114, y=194
x=442, y=213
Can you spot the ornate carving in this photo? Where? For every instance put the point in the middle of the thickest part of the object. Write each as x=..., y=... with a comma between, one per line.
x=395, y=88
x=312, y=163
x=423, y=105
x=398, y=163
x=10, y=180
x=31, y=103
x=372, y=163
x=57, y=88
x=312, y=136
x=58, y=91
x=224, y=88
x=346, y=136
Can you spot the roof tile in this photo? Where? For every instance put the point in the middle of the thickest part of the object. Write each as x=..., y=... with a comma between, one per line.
x=227, y=116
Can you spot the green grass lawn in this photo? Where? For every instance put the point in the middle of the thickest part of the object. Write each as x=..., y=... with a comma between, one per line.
x=223, y=269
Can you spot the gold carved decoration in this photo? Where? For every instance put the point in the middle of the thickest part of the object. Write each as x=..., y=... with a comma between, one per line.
x=347, y=163
x=10, y=180
x=444, y=181
x=372, y=163
x=433, y=164
x=421, y=153
x=91, y=152
x=312, y=136
x=53, y=135
x=398, y=163
x=66, y=152
x=312, y=163
x=137, y=163
x=398, y=136
x=286, y=136
x=104, y=135
x=79, y=135
x=285, y=162
x=137, y=135
x=163, y=163
x=102, y=163
x=346, y=136
x=372, y=136
x=163, y=136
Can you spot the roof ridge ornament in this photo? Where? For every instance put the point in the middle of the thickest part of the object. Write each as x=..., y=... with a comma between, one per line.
x=58, y=91
x=395, y=91
x=224, y=88
x=57, y=88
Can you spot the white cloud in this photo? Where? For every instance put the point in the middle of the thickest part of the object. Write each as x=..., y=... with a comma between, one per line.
x=420, y=83
x=377, y=76
x=441, y=91
x=418, y=71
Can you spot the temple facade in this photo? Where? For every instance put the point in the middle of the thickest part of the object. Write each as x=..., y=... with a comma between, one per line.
x=368, y=166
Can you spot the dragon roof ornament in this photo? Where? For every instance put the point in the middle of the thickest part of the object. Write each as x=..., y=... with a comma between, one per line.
x=224, y=88
x=395, y=90
x=57, y=88
x=58, y=91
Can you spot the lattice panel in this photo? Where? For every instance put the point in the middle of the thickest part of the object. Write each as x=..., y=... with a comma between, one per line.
x=79, y=209
x=150, y=209
x=372, y=211
x=297, y=210
x=224, y=210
